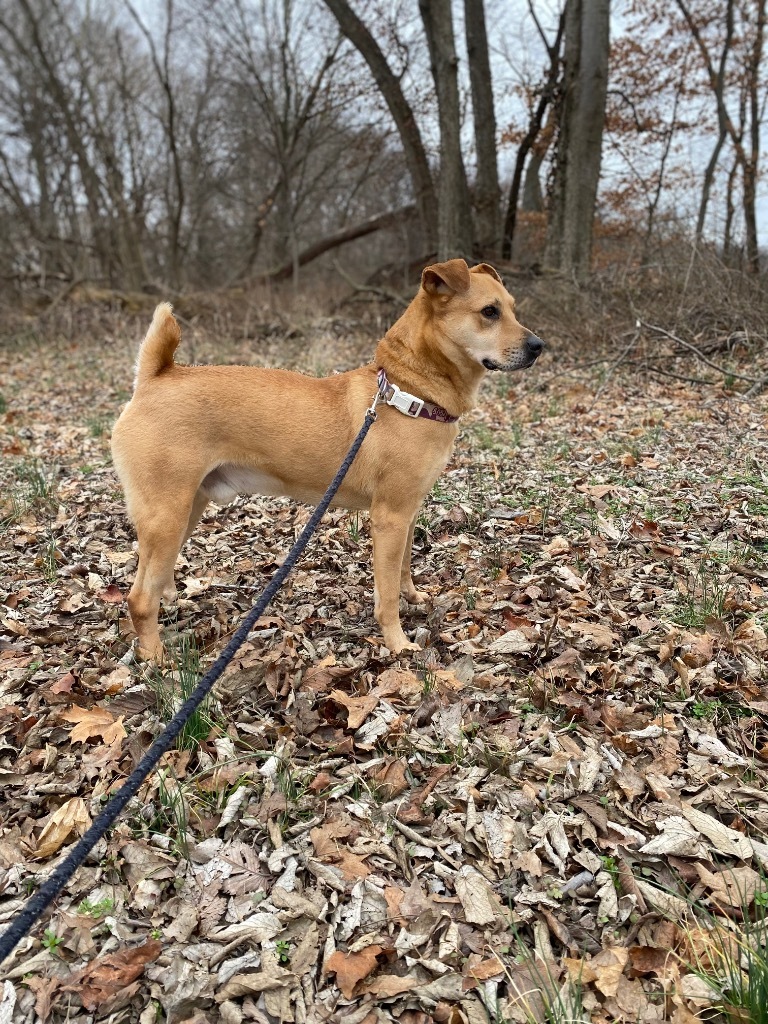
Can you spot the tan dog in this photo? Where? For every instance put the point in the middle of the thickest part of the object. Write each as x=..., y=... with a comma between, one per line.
x=194, y=434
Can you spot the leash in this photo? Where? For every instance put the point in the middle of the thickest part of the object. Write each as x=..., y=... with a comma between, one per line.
x=59, y=877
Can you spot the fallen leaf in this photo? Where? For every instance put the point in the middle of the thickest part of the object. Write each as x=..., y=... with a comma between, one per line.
x=391, y=779
x=514, y=641
x=480, y=903
x=350, y=968
x=94, y=722
x=608, y=967
x=358, y=708
x=486, y=969
x=71, y=817
x=63, y=684
x=104, y=977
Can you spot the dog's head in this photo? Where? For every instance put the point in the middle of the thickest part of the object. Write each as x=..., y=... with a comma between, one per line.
x=476, y=312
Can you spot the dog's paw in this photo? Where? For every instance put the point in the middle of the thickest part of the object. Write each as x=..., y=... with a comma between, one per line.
x=150, y=652
x=398, y=643
x=408, y=646
x=414, y=596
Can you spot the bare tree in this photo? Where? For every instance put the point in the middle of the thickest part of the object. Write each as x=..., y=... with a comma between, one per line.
x=747, y=153
x=533, y=142
x=175, y=195
x=487, y=194
x=410, y=136
x=80, y=146
x=579, y=144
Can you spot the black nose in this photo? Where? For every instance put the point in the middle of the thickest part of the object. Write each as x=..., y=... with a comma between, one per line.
x=534, y=344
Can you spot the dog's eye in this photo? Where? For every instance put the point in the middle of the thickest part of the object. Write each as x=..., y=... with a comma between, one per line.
x=491, y=312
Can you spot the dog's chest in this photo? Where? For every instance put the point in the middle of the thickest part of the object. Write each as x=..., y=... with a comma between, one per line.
x=226, y=482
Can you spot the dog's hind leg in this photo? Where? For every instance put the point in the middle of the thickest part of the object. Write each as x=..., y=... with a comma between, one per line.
x=160, y=533
x=199, y=505
x=407, y=587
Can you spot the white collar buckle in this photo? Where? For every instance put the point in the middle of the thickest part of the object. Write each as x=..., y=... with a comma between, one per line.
x=403, y=402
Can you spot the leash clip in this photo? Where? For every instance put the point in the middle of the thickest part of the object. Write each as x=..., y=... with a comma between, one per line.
x=372, y=410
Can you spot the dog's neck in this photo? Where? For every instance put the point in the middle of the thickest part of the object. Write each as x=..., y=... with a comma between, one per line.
x=413, y=358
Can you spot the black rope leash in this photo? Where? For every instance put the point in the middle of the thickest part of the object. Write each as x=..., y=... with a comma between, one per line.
x=58, y=878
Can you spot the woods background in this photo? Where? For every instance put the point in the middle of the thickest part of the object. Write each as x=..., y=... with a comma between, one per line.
x=190, y=144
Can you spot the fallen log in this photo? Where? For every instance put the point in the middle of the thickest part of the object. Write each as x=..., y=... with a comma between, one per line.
x=350, y=234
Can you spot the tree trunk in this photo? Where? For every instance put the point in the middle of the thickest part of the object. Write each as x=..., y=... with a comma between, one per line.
x=487, y=193
x=454, y=224
x=389, y=86
x=730, y=211
x=579, y=145
x=750, y=164
x=533, y=198
x=717, y=84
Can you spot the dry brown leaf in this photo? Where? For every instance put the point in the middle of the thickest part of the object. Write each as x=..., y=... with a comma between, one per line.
x=401, y=681
x=388, y=985
x=734, y=887
x=724, y=839
x=44, y=989
x=350, y=968
x=71, y=817
x=94, y=722
x=391, y=779
x=324, y=838
x=557, y=546
x=358, y=708
x=393, y=897
x=485, y=969
x=480, y=903
x=324, y=674
x=649, y=960
x=514, y=641
x=608, y=966
x=597, y=633
x=106, y=976
x=64, y=684
x=350, y=865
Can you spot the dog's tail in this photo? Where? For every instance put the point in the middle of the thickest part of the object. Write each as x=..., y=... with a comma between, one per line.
x=162, y=340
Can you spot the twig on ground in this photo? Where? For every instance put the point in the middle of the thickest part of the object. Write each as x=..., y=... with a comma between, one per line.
x=699, y=354
x=680, y=376
x=756, y=388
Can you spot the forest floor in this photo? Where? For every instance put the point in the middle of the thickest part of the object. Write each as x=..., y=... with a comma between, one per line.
x=560, y=806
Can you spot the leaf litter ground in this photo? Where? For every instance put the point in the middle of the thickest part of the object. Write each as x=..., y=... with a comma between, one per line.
x=540, y=800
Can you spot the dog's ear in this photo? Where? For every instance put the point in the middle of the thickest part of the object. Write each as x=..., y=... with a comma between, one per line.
x=449, y=278
x=486, y=268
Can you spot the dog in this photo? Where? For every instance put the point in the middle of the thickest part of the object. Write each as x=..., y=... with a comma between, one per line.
x=195, y=434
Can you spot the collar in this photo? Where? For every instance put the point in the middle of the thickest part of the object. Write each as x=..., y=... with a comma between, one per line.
x=410, y=405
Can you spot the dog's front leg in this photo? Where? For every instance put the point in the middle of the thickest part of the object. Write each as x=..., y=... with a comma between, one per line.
x=390, y=528
x=407, y=587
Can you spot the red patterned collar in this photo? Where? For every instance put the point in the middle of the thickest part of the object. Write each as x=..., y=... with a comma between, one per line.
x=410, y=405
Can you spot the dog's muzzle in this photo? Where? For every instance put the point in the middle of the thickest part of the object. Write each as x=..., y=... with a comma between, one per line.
x=523, y=357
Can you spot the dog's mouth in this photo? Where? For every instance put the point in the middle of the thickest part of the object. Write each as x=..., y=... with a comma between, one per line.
x=522, y=359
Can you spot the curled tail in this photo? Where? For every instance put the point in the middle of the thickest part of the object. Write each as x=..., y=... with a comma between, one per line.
x=162, y=340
